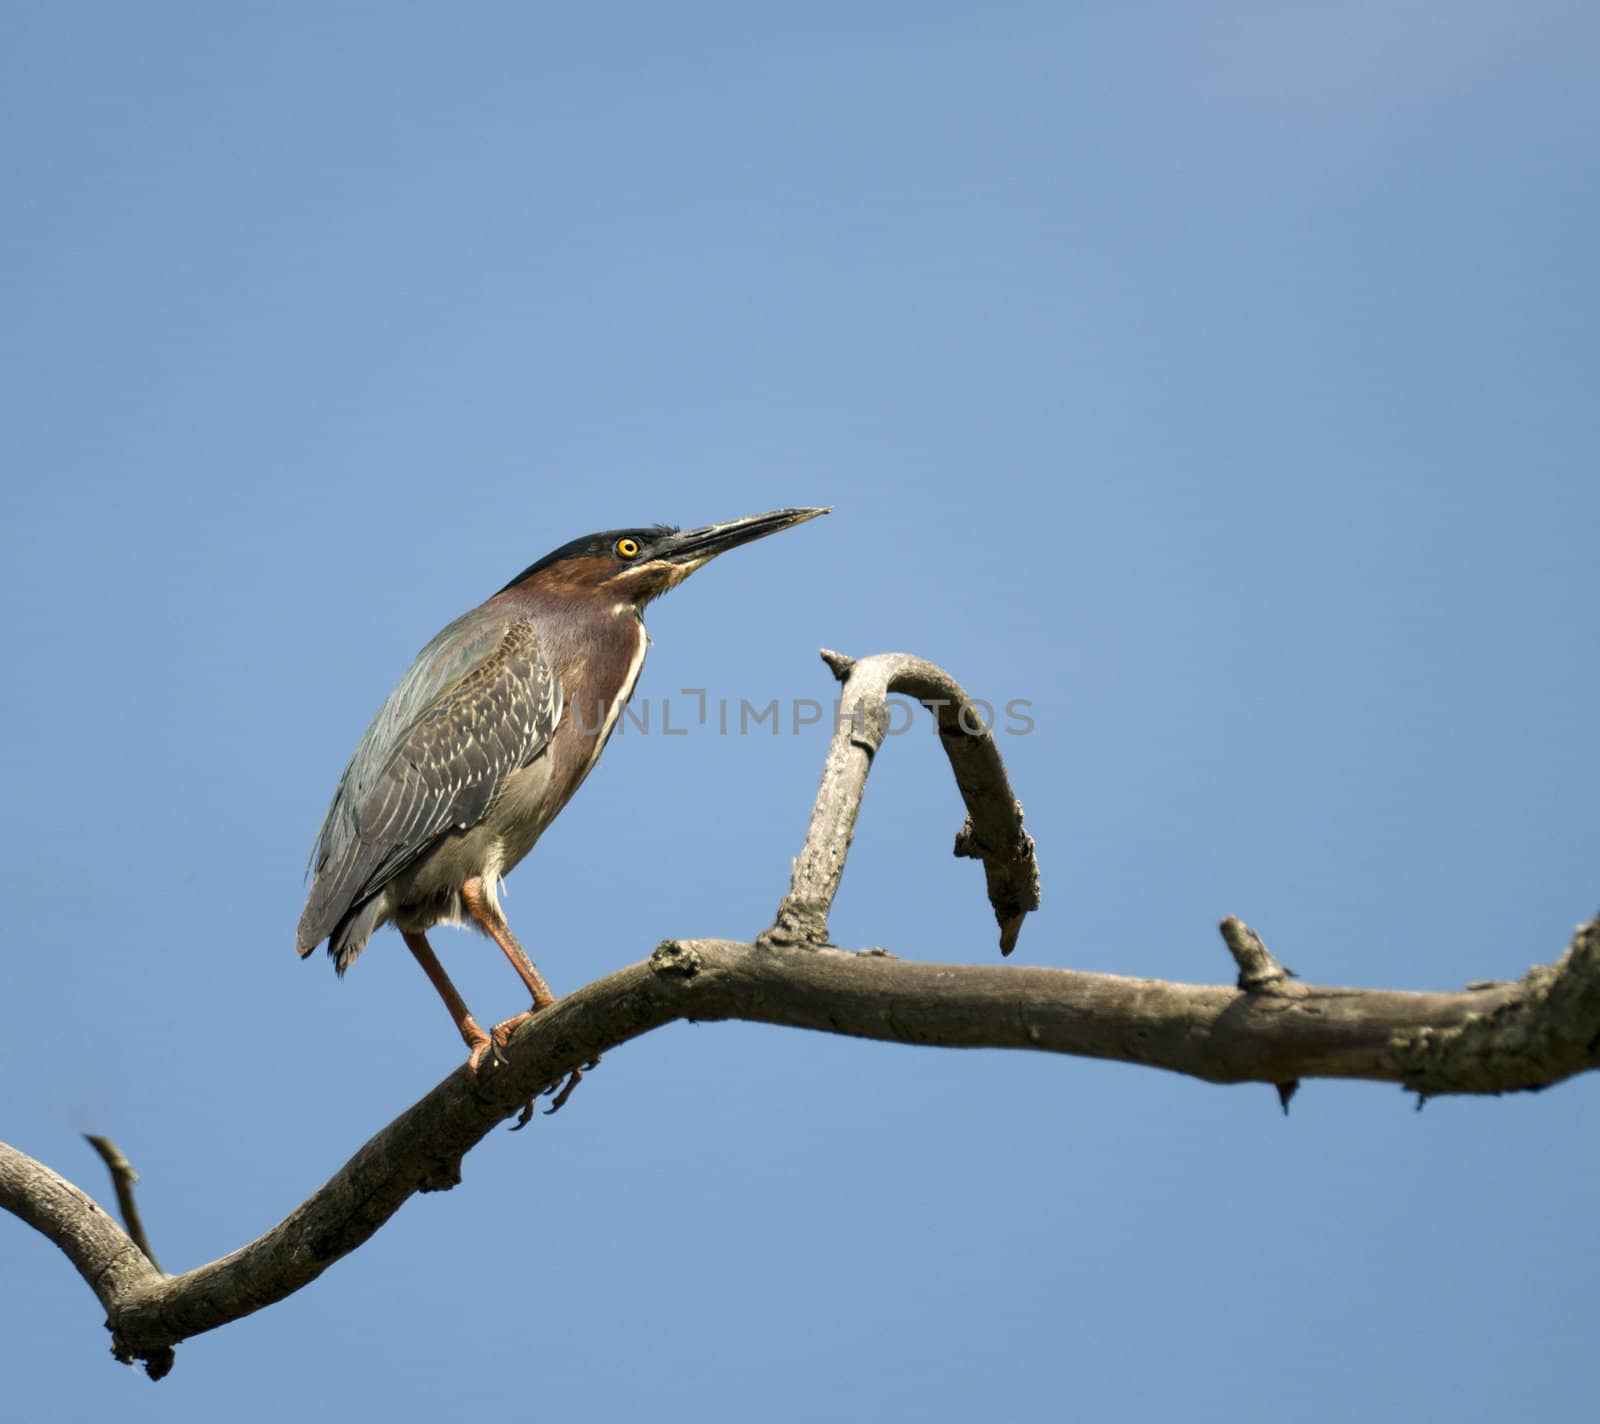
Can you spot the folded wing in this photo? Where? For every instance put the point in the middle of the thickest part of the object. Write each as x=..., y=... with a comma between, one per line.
x=479, y=704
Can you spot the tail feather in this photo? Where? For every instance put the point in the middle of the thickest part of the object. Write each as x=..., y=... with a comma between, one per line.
x=351, y=934
x=331, y=905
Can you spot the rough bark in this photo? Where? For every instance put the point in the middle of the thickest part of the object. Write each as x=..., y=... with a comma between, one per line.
x=1267, y=1027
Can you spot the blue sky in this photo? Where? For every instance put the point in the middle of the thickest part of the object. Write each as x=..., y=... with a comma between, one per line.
x=1219, y=378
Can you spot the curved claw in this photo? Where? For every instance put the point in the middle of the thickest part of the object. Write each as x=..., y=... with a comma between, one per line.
x=488, y=1046
x=498, y=1036
x=573, y=1079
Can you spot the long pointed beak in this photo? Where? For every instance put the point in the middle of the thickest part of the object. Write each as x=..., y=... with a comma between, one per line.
x=690, y=548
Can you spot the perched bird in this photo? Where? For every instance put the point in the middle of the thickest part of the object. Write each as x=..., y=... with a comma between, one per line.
x=483, y=742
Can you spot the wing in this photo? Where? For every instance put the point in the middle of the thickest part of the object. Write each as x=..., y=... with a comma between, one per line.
x=478, y=704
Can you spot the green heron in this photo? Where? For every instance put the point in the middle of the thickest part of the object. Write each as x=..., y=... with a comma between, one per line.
x=482, y=743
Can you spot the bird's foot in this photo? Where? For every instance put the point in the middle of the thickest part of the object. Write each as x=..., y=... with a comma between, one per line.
x=480, y=1044
x=499, y=1036
x=488, y=1045
x=496, y=1039
x=560, y=1095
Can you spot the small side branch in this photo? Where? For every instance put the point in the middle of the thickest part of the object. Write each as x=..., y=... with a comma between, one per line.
x=1259, y=973
x=1258, y=970
x=993, y=832
x=123, y=1180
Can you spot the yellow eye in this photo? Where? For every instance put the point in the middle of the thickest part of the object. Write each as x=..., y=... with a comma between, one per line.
x=628, y=548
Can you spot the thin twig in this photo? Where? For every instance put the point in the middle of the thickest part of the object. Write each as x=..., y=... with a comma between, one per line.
x=124, y=1179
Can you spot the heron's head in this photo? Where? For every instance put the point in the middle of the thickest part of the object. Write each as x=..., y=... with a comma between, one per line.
x=632, y=566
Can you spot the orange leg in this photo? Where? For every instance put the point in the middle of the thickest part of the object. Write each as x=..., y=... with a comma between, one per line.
x=475, y=899
x=484, y=913
x=476, y=1039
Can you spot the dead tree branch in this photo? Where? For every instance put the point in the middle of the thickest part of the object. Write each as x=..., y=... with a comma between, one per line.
x=993, y=831
x=1496, y=1038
